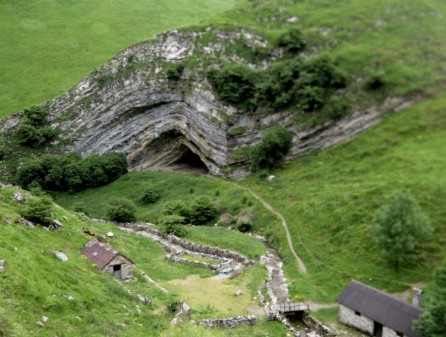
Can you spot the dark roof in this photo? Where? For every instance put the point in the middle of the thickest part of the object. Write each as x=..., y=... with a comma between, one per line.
x=381, y=307
x=98, y=253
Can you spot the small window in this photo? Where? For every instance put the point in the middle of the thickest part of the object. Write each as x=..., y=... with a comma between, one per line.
x=357, y=313
x=399, y=334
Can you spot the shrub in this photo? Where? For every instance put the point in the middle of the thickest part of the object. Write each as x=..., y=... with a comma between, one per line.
x=202, y=211
x=121, y=210
x=149, y=196
x=172, y=224
x=35, y=115
x=31, y=131
x=292, y=41
x=176, y=207
x=235, y=84
x=245, y=227
x=274, y=146
x=174, y=71
x=38, y=210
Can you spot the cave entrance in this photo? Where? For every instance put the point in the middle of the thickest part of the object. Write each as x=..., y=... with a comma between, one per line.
x=189, y=162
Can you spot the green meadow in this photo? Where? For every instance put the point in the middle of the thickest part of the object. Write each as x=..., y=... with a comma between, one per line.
x=48, y=46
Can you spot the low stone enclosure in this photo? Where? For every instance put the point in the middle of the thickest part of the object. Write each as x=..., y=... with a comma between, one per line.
x=276, y=284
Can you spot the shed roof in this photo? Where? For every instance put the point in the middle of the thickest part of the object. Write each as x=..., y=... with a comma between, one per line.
x=381, y=307
x=98, y=253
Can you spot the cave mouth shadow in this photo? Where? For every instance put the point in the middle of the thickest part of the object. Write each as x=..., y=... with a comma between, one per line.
x=188, y=162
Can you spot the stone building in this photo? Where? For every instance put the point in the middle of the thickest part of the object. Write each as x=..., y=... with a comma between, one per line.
x=108, y=260
x=376, y=313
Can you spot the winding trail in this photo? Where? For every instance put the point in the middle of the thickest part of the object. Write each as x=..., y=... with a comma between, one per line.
x=270, y=208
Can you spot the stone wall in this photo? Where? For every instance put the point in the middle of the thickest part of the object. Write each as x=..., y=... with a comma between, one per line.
x=126, y=267
x=387, y=332
x=350, y=318
x=231, y=322
x=317, y=326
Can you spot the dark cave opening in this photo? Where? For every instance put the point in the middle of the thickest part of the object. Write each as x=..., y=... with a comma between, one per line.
x=189, y=162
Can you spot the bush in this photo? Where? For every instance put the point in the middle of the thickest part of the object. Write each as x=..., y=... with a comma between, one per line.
x=292, y=41
x=174, y=71
x=38, y=210
x=149, y=196
x=176, y=207
x=202, y=211
x=274, y=146
x=172, y=224
x=245, y=227
x=32, y=131
x=235, y=84
x=121, y=210
x=71, y=172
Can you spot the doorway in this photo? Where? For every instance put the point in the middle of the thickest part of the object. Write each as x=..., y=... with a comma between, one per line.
x=117, y=271
x=377, y=329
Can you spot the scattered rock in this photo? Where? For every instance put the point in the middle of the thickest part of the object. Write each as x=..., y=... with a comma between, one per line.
x=292, y=19
x=183, y=312
x=39, y=323
x=44, y=319
x=2, y=266
x=144, y=299
x=27, y=223
x=56, y=225
x=60, y=255
x=110, y=234
x=17, y=196
x=238, y=293
x=271, y=178
x=70, y=298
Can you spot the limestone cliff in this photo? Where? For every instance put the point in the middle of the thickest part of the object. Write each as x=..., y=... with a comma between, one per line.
x=133, y=105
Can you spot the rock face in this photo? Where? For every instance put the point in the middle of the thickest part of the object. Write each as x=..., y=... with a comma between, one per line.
x=132, y=105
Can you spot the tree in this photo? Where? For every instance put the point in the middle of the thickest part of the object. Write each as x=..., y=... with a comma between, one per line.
x=432, y=322
x=38, y=210
x=202, y=211
x=121, y=210
x=399, y=228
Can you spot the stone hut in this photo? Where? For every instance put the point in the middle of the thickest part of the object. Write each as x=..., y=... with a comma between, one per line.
x=376, y=313
x=108, y=260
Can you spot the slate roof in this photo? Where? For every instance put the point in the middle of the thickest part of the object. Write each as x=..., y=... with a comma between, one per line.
x=381, y=307
x=98, y=253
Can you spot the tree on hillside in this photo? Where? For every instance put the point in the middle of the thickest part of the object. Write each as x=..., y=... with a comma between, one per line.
x=275, y=145
x=432, y=322
x=400, y=227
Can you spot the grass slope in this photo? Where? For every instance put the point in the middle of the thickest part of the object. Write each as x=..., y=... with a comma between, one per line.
x=47, y=46
x=329, y=200
x=36, y=283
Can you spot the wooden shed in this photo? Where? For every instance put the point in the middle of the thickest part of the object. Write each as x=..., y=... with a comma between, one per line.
x=376, y=313
x=108, y=260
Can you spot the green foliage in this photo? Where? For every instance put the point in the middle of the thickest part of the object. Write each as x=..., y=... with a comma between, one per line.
x=172, y=224
x=432, y=322
x=400, y=227
x=292, y=41
x=71, y=172
x=38, y=210
x=121, y=210
x=31, y=130
x=150, y=196
x=174, y=71
x=294, y=82
x=202, y=211
x=245, y=227
x=178, y=208
x=275, y=144
x=235, y=84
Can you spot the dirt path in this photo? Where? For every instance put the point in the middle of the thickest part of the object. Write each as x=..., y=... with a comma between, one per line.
x=270, y=208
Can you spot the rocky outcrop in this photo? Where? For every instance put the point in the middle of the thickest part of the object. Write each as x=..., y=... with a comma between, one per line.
x=132, y=105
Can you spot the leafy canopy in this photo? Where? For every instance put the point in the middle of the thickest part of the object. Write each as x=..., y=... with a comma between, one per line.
x=432, y=322
x=400, y=227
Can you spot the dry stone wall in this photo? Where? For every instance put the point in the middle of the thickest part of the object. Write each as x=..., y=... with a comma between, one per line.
x=231, y=322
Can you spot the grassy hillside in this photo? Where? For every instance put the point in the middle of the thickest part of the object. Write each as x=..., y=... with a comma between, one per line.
x=329, y=199
x=36, y=283
x=399, y=41
x=48, y=46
